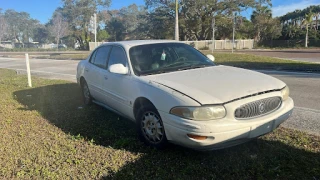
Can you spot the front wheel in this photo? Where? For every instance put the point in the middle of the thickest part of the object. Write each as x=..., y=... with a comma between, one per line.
x=150, y=128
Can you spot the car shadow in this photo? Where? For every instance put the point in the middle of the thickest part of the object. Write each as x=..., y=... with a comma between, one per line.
x=61, y=105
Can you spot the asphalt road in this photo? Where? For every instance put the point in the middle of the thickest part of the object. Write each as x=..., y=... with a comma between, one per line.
x=304, y=87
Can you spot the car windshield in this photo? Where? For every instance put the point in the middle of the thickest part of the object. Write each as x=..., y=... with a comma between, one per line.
x=166, y=57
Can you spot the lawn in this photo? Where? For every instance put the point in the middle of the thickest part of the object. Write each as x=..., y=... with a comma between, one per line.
x=236, y=59
x=80, y=56
x=47, y=133
x=249, y=61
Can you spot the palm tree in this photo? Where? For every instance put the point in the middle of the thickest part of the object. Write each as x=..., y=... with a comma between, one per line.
x=260, y=17
x=307, y=21
x=317, y=14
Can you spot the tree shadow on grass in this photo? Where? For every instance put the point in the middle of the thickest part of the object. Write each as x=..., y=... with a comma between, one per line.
x=257, y=159
x=62, y=106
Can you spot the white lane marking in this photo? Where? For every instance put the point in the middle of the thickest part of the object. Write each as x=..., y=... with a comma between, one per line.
x=43, y=72
x=307, y=109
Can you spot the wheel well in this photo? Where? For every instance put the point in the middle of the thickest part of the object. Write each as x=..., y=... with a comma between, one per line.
x=140, y=102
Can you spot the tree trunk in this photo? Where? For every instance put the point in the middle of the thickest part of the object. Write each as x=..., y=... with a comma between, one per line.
x=80, y=42
x=306, y=43
x=58, y=39
x=177, y=23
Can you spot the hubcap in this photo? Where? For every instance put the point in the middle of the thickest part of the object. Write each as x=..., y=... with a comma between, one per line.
x=152, y=127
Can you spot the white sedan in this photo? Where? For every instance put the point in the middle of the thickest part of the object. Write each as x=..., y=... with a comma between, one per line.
x=176, y=94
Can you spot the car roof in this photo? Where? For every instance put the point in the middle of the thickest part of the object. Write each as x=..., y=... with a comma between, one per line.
x=128, y=44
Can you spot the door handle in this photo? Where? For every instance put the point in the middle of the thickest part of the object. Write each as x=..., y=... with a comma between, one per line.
x=87, y=70
x=105, y=77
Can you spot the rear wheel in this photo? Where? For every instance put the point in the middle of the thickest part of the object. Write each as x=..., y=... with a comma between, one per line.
x=87, y=99
x=150, y=128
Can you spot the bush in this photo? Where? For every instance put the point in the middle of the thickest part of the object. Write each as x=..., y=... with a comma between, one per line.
x=204, y=48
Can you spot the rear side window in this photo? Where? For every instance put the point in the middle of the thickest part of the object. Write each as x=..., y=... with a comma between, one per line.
x=101, y=56
x=117, y=56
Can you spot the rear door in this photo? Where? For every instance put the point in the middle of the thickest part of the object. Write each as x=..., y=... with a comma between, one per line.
x=89, y=74
x=93, y=72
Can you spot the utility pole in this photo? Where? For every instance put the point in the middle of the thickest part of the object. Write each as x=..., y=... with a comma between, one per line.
x=213, y=30
x=95, y=30
x=234, y=27
x=177, y=22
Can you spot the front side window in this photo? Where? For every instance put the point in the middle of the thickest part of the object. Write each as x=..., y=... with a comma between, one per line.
x=101, y=56
x=166, y=57
x=117, y=56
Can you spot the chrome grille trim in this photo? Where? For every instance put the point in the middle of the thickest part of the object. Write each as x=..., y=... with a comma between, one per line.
x=258, y=108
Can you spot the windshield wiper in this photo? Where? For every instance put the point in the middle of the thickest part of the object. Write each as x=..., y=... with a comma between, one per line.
x=193, y=67
x=154, y=72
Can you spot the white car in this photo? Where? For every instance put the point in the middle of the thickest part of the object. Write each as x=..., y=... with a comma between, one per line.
x=176, y=94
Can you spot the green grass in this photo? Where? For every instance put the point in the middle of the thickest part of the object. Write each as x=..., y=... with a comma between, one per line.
x=249, y=61
x=79, y=56
x=237, y=59
x=46, y=132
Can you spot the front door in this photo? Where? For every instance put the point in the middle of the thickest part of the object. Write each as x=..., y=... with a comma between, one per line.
x=118, y=86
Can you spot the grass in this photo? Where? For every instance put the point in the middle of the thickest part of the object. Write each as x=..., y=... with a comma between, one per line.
x=65, y=56
x=47, y=133
x=249, y=61
x=237, y=59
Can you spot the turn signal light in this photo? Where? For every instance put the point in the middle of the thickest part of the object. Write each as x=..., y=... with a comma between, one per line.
x=197, y=137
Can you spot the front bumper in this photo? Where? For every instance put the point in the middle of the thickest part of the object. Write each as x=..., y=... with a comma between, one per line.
x=225, y=132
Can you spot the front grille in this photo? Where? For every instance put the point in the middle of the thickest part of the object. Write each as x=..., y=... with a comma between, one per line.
x=258, y=108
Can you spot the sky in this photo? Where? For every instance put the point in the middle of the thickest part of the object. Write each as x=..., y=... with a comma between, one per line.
x=43, y=9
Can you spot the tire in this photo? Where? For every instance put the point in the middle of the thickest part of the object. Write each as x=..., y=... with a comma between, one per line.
x=87, y=99
x=150, y=127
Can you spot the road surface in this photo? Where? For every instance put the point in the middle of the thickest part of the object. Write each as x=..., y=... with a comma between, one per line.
x=304, y=87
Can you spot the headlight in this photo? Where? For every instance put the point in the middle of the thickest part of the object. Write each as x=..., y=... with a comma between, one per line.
x=285, y=93
x=202, y=113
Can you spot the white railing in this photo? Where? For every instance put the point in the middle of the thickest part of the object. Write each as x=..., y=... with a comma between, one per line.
x=222, y=44
x=207, y=44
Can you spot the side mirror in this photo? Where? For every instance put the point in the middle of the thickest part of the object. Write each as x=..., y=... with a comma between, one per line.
x=118, y=69
x=209, y=56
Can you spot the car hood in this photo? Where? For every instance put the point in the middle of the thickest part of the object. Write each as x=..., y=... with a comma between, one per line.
x=216, y=84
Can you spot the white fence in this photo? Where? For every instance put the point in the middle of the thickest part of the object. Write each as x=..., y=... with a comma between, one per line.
x=207, y=44
x=222, y=44
x=7, y=46
x=92, y=45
